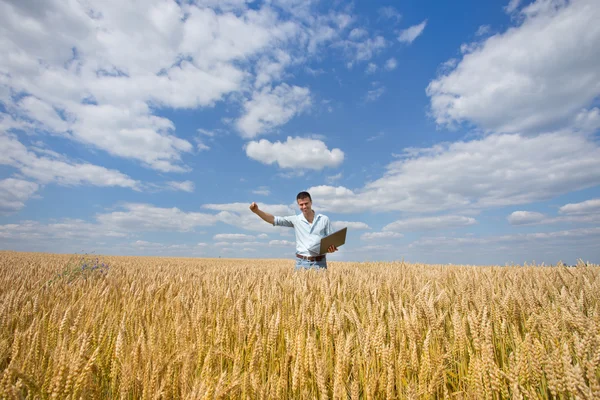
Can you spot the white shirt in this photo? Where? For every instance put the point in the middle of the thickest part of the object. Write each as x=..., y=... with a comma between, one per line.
x=308, y=236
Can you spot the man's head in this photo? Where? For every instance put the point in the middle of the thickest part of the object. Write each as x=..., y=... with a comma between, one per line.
x=305, y=203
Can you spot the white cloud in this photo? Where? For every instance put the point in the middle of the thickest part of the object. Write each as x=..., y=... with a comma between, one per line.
x=357, y=33
x=535, y=218
x=314, y=72
x=333, y=178
x=200, y=146
x=242, y=208
x=14, y=193
x=512, y=6
x=131, y=132
x=380, y=235
x=375, y=248
x=295, y=153
x=585, y=212
x=548, y=75
x=146, y=217
x=562, y=237
x=483, y=30
x=588, y=120
x=270, y=69
x=375, y=93
x=358, y=51
x=242, y=237
x=390, y=13
x=98, y=75
x=353, y=225
x=391, y=64
x=285, y=243
x=371, y=68
x=525, y=217
x=585, y=207
x=262, y=190
x=270, y=108
x=239, y=215
x=429, y=223
x=410, y=34
x=186, y=186
x=43, y=112
x=511, y=169
x=375, y=137
x=51, y=170
x=145, y=243
x=73, y=229
x=207, y=132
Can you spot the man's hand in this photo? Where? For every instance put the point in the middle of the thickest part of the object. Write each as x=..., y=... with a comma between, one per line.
x=269, y=218
x=254, y=207
x=332, y=249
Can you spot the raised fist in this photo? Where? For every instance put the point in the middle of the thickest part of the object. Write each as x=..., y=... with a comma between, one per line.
x=253, y=207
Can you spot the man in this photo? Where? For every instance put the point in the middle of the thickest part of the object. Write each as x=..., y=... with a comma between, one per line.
x=309, y=228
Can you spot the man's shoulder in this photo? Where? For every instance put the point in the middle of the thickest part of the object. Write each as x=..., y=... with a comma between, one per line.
x=323, y=217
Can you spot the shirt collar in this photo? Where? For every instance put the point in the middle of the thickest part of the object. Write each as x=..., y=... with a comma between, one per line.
x=303, y=218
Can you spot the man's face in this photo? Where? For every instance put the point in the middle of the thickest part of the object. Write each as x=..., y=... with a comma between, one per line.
x=305, y=205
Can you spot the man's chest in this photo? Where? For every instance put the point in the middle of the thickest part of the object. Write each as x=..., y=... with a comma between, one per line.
x=317, y=227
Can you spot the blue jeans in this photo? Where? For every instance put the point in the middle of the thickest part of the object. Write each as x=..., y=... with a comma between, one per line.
x=305, y=264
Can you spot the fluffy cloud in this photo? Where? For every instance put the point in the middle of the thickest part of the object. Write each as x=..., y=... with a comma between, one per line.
x=375, y=93
x=295, y=153
x=14, y=193
x=525, y=217
x=512, y=6
x=510, y=169
x=410, y=34
x=149, y=218
x=585, y=212
x=381, y=235
x=360, y=49
x=240, y=216
x=371, y=68
x=234, y=237
x=186, y=186
x=585, y=207
x=429, y=223
x=337, y=225
x=391, y=64
x=285, y=243
x=548, y=74
x=333, y=178
x=565, y=236
x=270, y=108
x=135, y=218
x=66, y=229
x=98, y=75
x=50, y=169
x=390, y=13
x=263, y=191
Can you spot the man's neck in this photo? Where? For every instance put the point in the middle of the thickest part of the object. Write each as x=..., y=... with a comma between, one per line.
x=311, y=216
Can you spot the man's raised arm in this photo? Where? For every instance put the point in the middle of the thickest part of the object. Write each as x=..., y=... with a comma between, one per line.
x=265, y=216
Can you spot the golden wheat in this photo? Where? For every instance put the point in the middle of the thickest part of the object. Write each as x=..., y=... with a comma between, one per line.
x=186, y=328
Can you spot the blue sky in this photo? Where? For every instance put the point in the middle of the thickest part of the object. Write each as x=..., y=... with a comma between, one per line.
x=438, y=132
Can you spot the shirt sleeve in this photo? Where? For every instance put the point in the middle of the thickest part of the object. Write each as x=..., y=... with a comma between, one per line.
x=284, y=221
x=328, y=228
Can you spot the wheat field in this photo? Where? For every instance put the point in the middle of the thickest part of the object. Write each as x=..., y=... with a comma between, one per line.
x=181, y=328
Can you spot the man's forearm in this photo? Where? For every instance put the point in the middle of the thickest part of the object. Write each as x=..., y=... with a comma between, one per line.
x=265, y=216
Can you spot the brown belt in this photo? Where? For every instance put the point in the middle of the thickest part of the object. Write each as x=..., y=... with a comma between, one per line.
x=316, y=258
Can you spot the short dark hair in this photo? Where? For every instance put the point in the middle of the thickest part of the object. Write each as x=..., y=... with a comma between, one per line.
x=303, y=195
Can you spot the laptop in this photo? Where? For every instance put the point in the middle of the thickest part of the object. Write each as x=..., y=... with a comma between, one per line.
x=337, y=239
